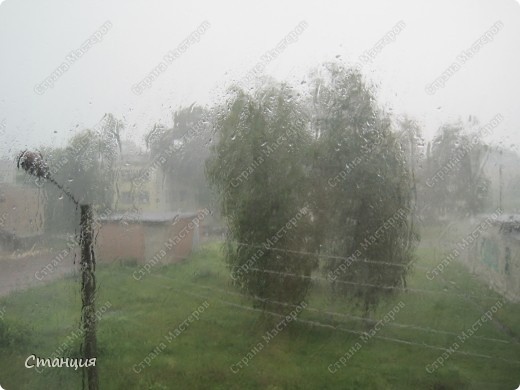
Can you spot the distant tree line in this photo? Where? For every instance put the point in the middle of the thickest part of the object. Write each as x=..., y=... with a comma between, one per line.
x=310, y=179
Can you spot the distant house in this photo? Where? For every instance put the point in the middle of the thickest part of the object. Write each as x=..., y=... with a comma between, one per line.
x=139, y=182
x=161, y=237
x=21, y=210
x=144, y=185
x=495, y=256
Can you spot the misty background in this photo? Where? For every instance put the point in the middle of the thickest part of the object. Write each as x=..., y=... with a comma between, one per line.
x=36, y=37
x=331, y=188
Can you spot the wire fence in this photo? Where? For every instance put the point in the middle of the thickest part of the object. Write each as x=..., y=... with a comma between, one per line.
x=342, y=328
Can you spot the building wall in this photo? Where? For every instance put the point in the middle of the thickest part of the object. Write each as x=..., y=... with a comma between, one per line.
x=156, y=237
x=135, y=165
x=116, y=241
x=490, y=254
x=145, y=197
x=495, y=259
x=142, y=241
x=21, y=210
x=185, y=246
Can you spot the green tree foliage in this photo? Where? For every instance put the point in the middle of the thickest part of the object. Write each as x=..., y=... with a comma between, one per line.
x=362, y=188
x=455, y=179
x=184, y=148
x=340, y=159
x=87, y=168
x=258, y=169
x=412, y=142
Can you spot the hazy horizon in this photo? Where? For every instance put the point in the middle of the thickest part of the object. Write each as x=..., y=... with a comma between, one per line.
x=37, y=42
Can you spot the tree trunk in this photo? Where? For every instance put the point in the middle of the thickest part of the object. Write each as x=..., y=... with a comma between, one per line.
x=88, y=296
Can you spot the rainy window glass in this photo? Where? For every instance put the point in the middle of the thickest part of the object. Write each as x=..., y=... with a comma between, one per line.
x=225, y=195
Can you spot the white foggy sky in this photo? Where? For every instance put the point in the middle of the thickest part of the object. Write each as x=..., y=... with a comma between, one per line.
x=36, y=36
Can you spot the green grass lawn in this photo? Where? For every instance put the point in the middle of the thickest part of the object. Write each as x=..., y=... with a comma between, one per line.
x=142, y=313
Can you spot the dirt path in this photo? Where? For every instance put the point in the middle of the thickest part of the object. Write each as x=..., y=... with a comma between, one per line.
x=20, y=272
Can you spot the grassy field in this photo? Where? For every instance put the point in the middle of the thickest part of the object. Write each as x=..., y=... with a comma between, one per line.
x=141, y=313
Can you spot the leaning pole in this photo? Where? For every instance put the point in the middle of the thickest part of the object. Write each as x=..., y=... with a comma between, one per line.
x=33, y=164
x=88, y=295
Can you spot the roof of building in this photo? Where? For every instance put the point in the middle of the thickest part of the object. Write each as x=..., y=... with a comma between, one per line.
x=508, y=223
x=150, y=217
x=509, y=218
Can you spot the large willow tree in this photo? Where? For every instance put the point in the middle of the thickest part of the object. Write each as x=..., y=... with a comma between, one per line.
x=258, y=168
x=362, y=188
x=340, y=159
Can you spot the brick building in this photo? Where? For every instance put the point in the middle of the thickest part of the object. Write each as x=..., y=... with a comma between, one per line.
x=167, y=237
